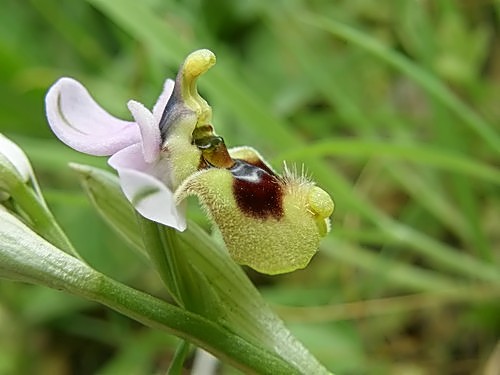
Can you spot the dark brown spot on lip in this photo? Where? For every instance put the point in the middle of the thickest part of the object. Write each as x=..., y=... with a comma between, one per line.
x=258, y=193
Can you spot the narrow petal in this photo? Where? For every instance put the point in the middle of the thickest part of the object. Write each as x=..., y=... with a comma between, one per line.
x=152, y=199
x=150, y=130
x=82, y=124
x=161, y=103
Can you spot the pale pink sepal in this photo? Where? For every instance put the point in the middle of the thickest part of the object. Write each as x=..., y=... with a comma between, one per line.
x=82, y=124
x=130, y=157
x=144, y=189
x=152, y=199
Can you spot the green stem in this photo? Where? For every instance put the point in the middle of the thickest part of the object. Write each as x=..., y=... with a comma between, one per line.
x=201, y=332
x=26, y=257
x=191, y=287
x=179, y=357
x=161, y=243
x=158, y=314
x=168, y=238
x=154, y=243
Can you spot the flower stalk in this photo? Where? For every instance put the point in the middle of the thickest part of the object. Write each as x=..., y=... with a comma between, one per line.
x=180, y=355
x=36, y=261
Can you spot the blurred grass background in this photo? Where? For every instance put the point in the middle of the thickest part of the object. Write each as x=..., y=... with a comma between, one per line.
x=393, y=106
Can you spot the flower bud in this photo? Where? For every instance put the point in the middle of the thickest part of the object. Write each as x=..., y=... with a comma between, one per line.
x=14, y=167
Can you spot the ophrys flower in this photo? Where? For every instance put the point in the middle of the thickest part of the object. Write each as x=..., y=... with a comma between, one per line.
x=268, y=221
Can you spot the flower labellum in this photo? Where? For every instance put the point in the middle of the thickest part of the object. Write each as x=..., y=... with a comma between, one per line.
x=270, y=222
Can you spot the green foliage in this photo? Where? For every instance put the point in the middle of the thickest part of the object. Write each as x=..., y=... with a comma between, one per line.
x=392, y=107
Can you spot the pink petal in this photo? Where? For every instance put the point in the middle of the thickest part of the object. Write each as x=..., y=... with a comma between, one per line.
x=150, y=130
x=152, y=199
x=161, y=103
x=130, y=157
x=82, y=124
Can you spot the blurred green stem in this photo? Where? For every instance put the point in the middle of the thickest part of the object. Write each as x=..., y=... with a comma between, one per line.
x=179, y=358
x=413, y=152
x=422, y=77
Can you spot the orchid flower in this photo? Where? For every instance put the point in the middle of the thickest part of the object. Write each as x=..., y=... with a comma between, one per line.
x=268, y=221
